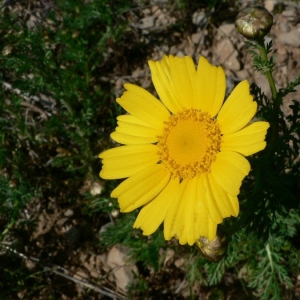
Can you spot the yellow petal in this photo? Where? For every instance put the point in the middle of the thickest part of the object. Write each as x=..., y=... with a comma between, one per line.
x=133, y=120
x=182, y=75
x=133, y=131
x=127, y=139
x=237, y=110
x=204, y=225
x=124, y=161
x=119, y=153
x=183, y=227
x=137, y=132
x=226, y=205
x=162, y=81
x=141, y=104
x=210, y=86
x=153, y=213
x=183, y=239
x=141, y=187
x=192, y=199
x=179, y=220
x=228, y=170
x=235, y=204
x=208, y=227
x=187, y=219
x=208, y=200
x=129, y=124
x=184, y=223
x=248, y=140
x=173, y=221
x=197, y=223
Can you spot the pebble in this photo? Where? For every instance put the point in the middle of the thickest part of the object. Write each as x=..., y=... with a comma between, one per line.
x=195, y=37
x=269, y=5
x=226, y=29
x=146, y=23
x=228, y=55
x=242, y=74
x=288, y=13
x=199, y=18
x=31, y=23
x=291, y=38
x=69, y=213
x=284, y=27
x=96, y=188
x=124, y=272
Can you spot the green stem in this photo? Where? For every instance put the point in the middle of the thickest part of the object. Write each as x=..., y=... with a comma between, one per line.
x=275, y=98
x=267, y=73
x=270, y=256
x=68, y=107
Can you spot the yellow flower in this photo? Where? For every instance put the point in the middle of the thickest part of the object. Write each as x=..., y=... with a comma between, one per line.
x=184, y=156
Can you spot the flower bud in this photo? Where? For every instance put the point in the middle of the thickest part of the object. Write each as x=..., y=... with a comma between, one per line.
x=213, y=250
x=254, y=22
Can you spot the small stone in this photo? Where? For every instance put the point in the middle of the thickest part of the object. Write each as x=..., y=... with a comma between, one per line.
x=281, y=55
x=288, y=13
x=291, y=38
x=162, y=19
x=284, y=70
x=123, y=271
x=115, y=213
x=195, y=37
x=30, y=264
x=269, y=5
x=284, y=27
x=180, y=54
x=228, y=55
x=146, y=23
x=7, y=50
x=226, y=29
x=229, y=83
x=104, y=227
x=146, y=11
x=80, y=274
x=169, y=256
x=69, y=213
x=62, y=221
x=242, y=74
x=179, y=262
x=199, y=17
x=31, y=23
x=96, y=188
x=262, y=82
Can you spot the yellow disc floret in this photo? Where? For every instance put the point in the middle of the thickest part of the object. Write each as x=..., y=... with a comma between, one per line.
x=189, y=143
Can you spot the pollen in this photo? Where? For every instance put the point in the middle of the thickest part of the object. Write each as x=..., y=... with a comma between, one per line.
x=189, y=143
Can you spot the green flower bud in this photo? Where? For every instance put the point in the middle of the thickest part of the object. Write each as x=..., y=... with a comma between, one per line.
x=254, y=22
x=213, y=250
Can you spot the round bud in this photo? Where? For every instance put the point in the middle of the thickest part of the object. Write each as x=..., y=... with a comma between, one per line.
x=213, y=250
x=254, y=22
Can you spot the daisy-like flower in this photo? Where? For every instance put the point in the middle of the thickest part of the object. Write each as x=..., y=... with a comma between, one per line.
x=183, y=156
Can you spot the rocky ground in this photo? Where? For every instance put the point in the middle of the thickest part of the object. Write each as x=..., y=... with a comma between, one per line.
x=223, y=46
x=63, y=234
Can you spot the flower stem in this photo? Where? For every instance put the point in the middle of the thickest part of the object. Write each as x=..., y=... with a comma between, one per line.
x=270, y=256
x=275, y=98
x=267, y=73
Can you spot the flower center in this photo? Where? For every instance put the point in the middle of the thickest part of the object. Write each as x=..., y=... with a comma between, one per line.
x=189, y=143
